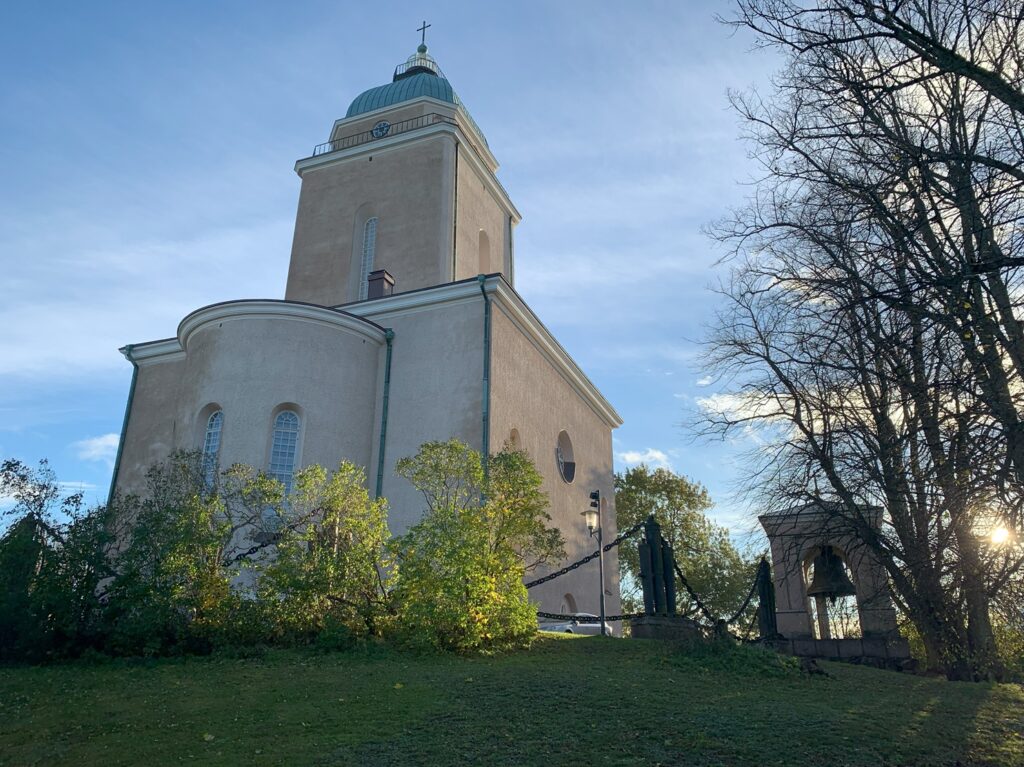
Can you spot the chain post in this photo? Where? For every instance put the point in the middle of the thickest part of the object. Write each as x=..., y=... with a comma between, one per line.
x=766, y=621
x=653, y=532
x=646, y=577
x=668, y=564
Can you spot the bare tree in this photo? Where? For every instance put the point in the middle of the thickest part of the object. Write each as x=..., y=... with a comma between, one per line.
x=915, y=111
x=871, y=320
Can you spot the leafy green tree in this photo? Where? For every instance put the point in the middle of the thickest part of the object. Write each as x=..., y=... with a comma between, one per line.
x=193, y=565
x=22, y=552
x=713, y=567
x=1008, y=623
x=173, y=589
x=52, y=559
x=462, y=566
x=517, y=513
x=333, y=568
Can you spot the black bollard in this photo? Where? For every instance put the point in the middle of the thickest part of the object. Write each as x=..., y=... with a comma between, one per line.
x=766, y=623
x=646, y=577
x=657, y=565
x=668, y=560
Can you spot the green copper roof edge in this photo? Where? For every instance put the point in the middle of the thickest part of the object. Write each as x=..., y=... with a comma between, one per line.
x=405, y=89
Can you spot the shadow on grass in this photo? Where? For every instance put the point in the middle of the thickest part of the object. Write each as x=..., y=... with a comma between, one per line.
x=568, y=700
x=613, y=702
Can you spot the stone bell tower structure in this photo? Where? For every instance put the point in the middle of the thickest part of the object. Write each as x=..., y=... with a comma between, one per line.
x=405, y=184
x=806, y=538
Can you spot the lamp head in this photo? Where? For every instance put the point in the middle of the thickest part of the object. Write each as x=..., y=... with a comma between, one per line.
x=592, y=514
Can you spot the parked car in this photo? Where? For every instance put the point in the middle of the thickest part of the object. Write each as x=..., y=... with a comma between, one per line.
x=576, y=626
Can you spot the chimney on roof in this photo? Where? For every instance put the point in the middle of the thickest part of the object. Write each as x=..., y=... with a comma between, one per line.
x=379, y=284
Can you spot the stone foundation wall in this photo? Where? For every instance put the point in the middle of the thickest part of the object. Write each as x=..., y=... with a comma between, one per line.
x=882, y=652
x=671, y=627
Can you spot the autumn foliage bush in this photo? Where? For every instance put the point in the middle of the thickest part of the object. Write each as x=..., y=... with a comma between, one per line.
x=462, y=566
x=197, y=566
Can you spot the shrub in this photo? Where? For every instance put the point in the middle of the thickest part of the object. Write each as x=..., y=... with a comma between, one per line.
x=335, y=636
x=462, y=565
x=332, y=566
x=1010, y=640
x=171, y=572
x=175, y=587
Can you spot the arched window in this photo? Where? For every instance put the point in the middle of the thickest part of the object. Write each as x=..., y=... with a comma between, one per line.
x=369, y=250
x=283, y=448
x=569, y=604
x=211, y=446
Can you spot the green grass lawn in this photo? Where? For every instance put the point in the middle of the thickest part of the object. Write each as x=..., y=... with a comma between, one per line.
x=565, y=702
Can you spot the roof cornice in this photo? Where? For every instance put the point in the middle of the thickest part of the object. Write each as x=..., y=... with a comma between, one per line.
x=512, y=306
x=359, y=319
x=480, y=143
x=164, y=350
x=172, y=349
x=416, y=300
x=277, y=309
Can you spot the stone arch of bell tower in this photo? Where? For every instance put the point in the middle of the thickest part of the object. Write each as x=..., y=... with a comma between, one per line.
x=796, y=536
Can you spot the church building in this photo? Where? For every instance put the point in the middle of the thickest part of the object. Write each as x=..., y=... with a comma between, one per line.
x=400, y=324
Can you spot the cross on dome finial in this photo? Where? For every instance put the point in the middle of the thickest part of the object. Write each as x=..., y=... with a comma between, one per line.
x=420, y=62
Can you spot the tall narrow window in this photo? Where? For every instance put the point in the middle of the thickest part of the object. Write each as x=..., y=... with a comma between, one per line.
x=369, y=249
x=283, y=448
x=564, y=456
x=211, y=446
x=483, y=254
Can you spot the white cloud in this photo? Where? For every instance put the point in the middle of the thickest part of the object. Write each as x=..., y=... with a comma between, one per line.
x=740, y=407
x=101, y=448
x=54, y=326
x=705, y=381
x=651, y=457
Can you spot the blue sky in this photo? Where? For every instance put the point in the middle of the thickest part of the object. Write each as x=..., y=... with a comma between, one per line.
x=147, y=152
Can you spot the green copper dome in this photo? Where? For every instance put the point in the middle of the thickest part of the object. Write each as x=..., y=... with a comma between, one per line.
x=418, y=76
x=404, y=89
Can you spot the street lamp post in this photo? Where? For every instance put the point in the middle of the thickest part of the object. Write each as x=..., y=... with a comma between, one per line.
x=592, y=515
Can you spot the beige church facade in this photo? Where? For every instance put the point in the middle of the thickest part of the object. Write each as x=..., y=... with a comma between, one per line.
x=400, y=324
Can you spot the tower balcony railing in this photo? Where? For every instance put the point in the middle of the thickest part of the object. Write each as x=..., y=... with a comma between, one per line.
x=420, y=63
x=382, y=129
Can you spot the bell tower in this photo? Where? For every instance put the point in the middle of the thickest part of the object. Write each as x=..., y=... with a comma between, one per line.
x=819, y=541
x=406, y=183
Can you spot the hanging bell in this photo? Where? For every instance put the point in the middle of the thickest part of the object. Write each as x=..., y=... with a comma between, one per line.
x=830, y=578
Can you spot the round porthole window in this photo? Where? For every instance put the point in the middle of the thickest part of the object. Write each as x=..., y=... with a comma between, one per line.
x=566, y=461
